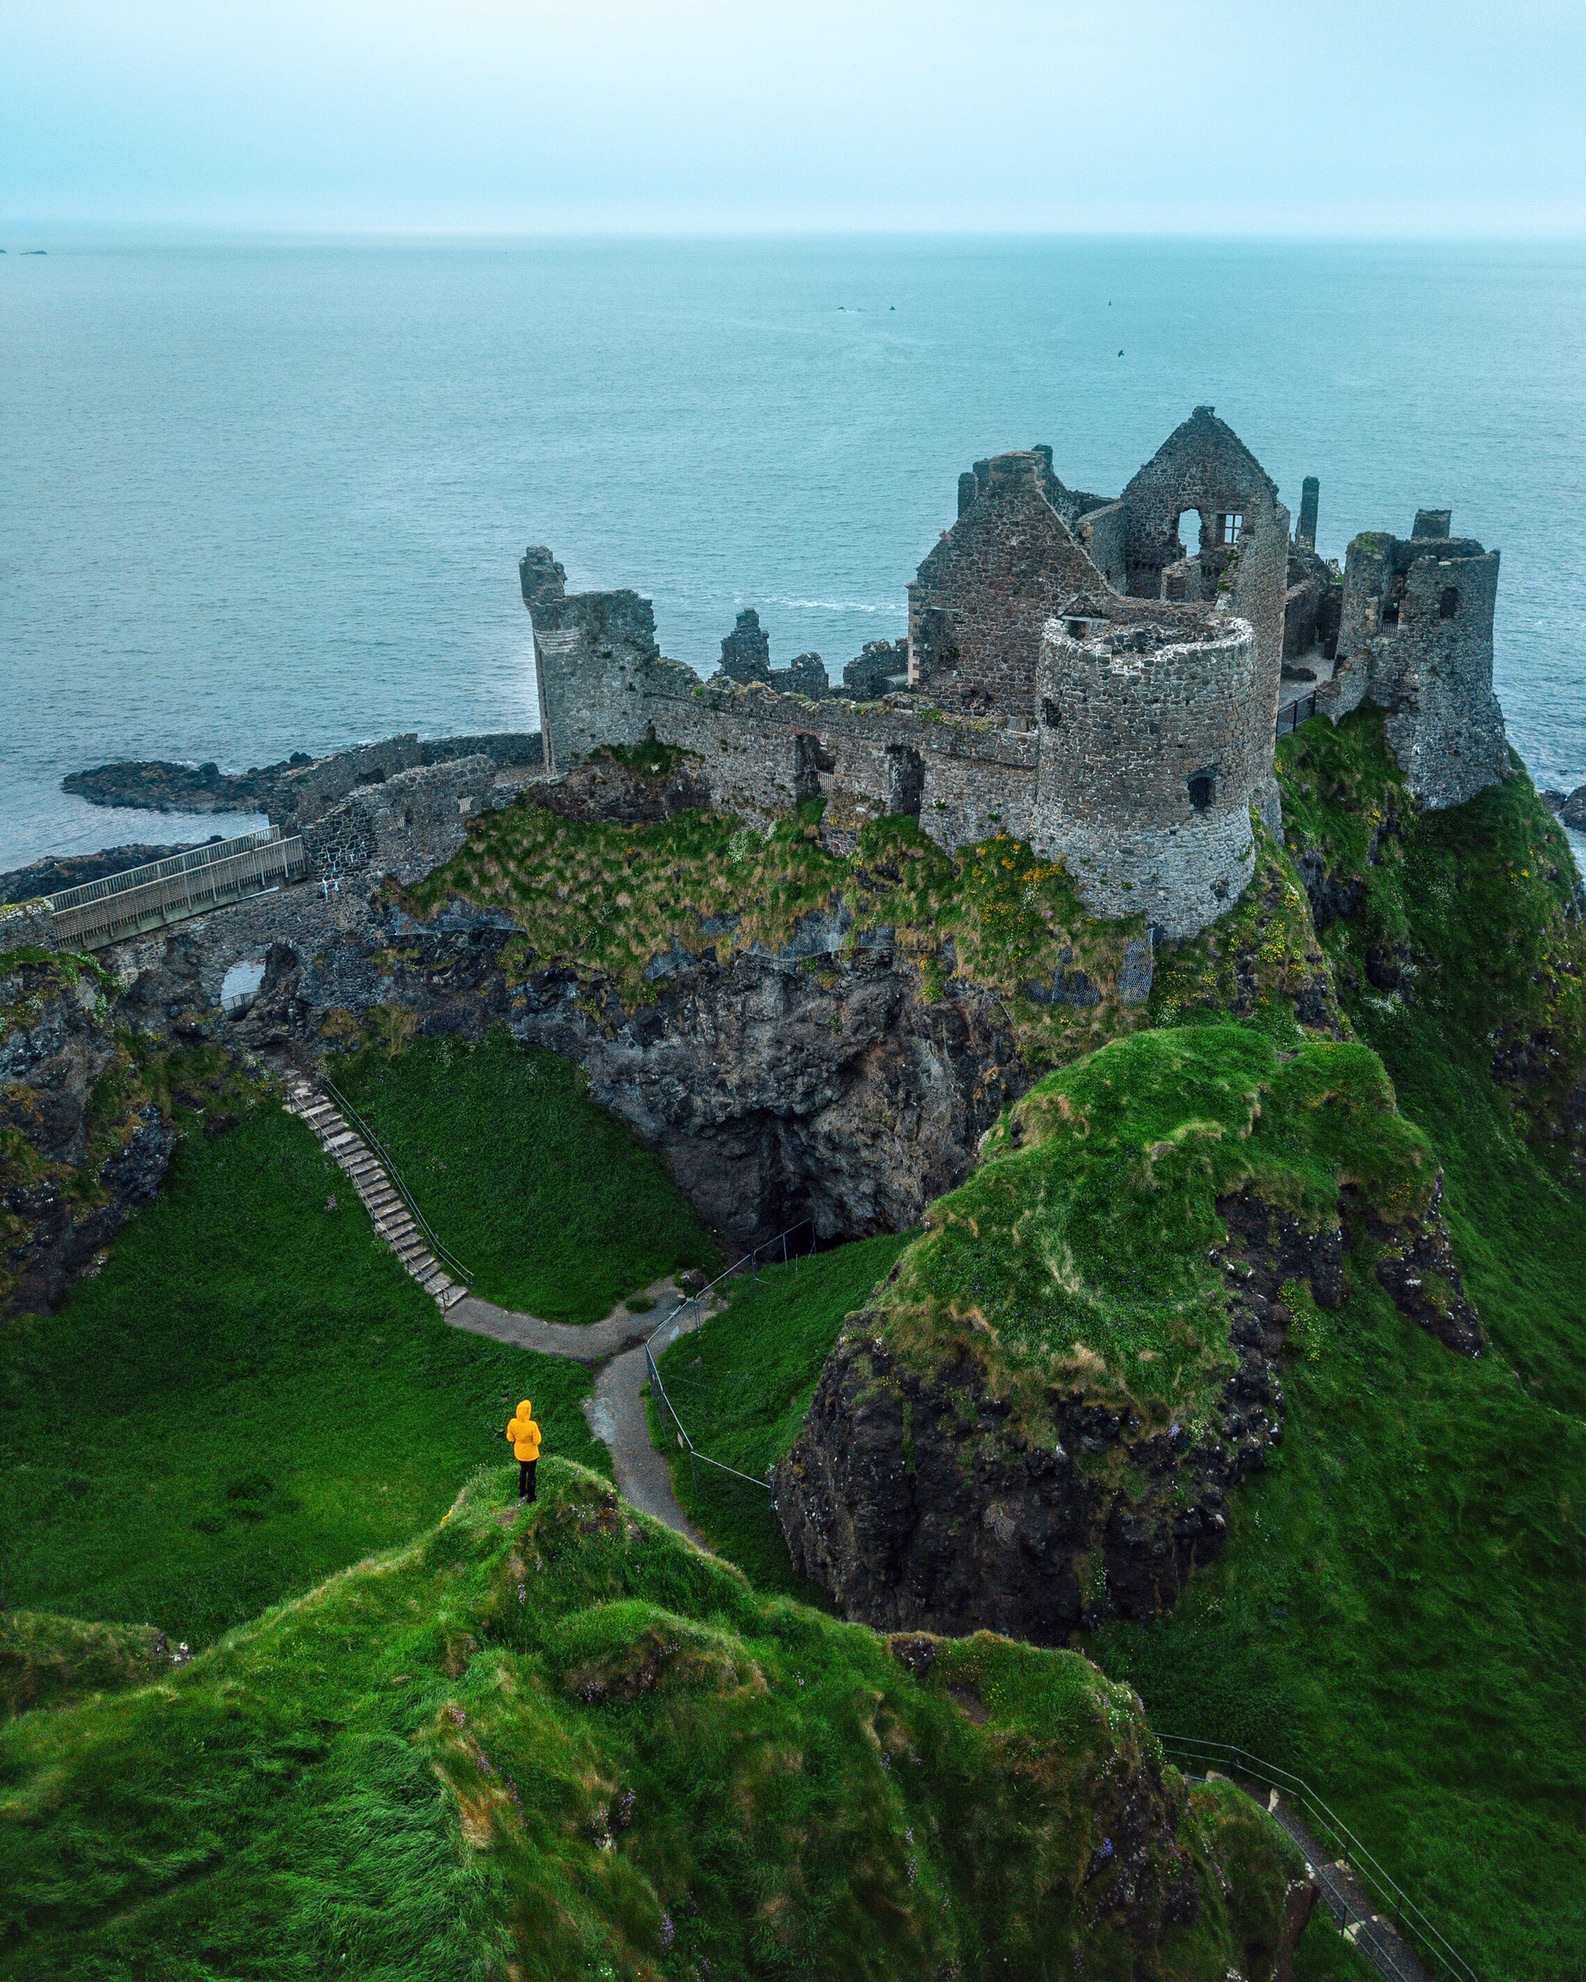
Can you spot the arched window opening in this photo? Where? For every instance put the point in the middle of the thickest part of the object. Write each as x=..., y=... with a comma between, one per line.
x=1448, y=604
x=1203, y=788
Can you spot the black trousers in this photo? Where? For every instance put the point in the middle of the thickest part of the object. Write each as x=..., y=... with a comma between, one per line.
x=526, y=1490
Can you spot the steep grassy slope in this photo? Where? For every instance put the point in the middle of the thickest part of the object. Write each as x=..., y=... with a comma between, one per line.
x=564, y=1743
x=605, y=899
x=1083, y=1250
x=1400, y=1611
x=250, y=1395
x=547, y=1200
x=742, y=1384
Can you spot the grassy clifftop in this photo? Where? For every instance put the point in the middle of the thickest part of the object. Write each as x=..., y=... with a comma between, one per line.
x=1083, y=1251
x=563, y=1742
x=606, y=899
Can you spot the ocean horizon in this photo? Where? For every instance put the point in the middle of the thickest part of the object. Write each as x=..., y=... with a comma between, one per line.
x=261, y=496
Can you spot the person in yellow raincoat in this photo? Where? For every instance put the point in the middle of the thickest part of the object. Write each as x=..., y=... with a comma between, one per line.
x=525, y=1436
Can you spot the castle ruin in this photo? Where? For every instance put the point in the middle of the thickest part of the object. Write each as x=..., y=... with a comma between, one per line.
x=1103, y=677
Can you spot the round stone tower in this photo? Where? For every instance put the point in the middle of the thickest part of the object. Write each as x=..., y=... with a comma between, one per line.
x=1156, y=738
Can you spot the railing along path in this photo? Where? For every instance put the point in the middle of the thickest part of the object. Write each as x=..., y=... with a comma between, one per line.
x=1374, y=1910
x=169, y=890
x=752, y=1261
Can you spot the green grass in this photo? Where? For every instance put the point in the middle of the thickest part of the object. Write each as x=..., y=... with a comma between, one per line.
x=742, y=1383
x=566, y=1744
x=604, y=900
x=251, y=1394
x=1077, y=1253
x=1401, y=1612
x=551, y=1203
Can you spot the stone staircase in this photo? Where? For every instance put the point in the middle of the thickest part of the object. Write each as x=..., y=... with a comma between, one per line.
x=381, y=1198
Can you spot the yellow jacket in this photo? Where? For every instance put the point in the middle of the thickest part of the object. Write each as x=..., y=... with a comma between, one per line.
x=525, y=1436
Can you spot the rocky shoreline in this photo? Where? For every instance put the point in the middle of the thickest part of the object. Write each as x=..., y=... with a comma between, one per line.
x=285, y=791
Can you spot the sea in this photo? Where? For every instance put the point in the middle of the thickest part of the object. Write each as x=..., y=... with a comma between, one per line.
x=259, y=496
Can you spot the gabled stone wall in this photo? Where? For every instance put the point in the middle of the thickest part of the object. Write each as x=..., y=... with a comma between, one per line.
x=1204, y=466
x=984, y=594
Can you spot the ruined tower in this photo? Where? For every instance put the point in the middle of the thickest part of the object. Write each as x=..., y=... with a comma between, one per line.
x=1416, y=639
x=1155, y=741
x=1202, y=521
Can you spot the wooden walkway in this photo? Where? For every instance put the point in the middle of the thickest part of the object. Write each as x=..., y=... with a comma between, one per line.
x=387, y=1208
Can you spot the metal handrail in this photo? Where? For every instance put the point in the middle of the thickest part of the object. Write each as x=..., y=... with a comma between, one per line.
x=128, y=878
x=1292, y=714
x=749, y=1259
x=1331, y=1827
x=388, y=1164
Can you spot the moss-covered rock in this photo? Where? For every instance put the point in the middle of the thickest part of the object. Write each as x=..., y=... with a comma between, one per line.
x=48, y=1661
x=562, y=1741
x=88, y=1118
x=1036, y=1422
x=1473, y=915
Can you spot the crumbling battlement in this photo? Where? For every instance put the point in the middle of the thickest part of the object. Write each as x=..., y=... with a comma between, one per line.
x=403, y=827
x=1156, y=741
x=1101, y=677
x=1416, y=639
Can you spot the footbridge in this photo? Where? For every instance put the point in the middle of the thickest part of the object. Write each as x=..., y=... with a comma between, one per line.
x=144, y=898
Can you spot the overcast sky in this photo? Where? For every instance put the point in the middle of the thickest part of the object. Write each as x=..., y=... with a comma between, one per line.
x=1399, y=117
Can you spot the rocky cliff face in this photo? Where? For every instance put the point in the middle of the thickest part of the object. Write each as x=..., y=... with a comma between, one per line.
x=1037, y=1423
x=919, y=1502
x=81, y=1139
x=777, y=1088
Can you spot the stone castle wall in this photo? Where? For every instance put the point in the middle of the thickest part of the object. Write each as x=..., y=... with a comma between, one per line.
x=1080, y=674
x=403, y=827
x=1156, y=739
x=1416, y=639
x=984, y=594
x=1204, y=467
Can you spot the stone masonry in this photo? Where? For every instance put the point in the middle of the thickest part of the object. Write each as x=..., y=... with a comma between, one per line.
x=1156, y=739
x=1416, y=639
x=1100, y=677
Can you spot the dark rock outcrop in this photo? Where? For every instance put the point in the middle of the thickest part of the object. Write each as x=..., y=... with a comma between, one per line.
x=296, y=789
x=926, y=1503
x=777, y=1088
x=75, y=870
x=81, y=1142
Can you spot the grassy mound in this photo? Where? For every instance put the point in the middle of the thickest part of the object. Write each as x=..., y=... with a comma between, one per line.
x=550, y=1202
x=1077, y=1255
x=742, y=1384
x=605, y=899
x=565, y=1743
x=1399, y=1612
x=48, y=1661
x=250, y=1395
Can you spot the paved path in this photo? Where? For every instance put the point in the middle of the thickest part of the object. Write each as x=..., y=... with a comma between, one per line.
x=616, y=1411
x=1345, y=1896
x=615, y=1346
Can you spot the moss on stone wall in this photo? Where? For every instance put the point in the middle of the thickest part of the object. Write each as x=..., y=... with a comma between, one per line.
x=1261, y=962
